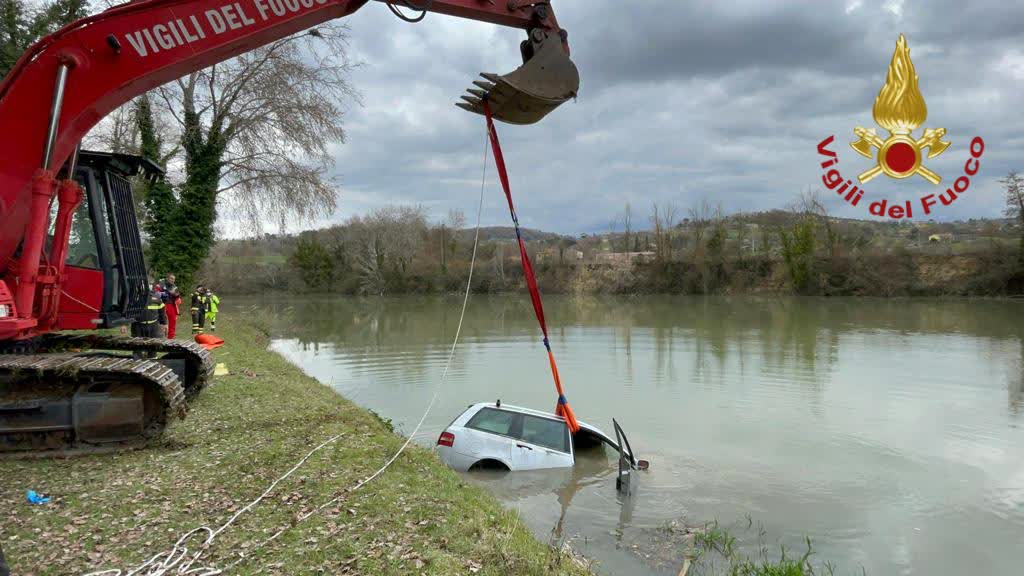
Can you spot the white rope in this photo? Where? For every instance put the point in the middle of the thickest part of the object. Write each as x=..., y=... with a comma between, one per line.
x=179, y=560
x=77, y=301
x=437, y=389
x=172, y=559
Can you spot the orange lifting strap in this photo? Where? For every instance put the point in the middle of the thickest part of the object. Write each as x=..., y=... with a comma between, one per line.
x=562, y=409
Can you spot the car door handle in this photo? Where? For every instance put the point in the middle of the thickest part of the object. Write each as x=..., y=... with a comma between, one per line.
x=523, y=446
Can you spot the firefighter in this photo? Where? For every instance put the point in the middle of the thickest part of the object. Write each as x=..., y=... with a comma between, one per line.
x=172, y=304
x=198, y=309
x=153, y=316
x=212, y=301
x=153, y=319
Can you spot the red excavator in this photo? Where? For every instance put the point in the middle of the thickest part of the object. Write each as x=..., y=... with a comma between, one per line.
x=70, y=250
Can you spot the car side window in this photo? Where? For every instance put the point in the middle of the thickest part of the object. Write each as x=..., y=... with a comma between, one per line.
x=545, y=432
x=493, y=421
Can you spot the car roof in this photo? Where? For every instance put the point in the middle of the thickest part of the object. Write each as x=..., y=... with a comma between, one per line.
x=532, y=412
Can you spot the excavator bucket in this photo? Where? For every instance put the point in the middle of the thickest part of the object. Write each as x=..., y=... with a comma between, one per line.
x=546, y=79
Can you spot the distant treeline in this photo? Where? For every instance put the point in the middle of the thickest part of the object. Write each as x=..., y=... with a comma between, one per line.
x=802, y=251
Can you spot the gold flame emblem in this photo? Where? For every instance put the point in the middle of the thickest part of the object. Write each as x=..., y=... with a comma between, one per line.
x=900, y=109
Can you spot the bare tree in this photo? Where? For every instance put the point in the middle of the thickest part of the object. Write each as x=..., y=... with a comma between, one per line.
x=265, y=121
x=708, y=235
x=1014, y=184
x=385, y=242
x=394, y=233
x=625, y=220
x=251, y=134
x=119, y=132
x=702, y=217
x=810, y=203
x=499, y=263
x=627, y=227
x=455, y=221
x=663, y=220
x=742, y=237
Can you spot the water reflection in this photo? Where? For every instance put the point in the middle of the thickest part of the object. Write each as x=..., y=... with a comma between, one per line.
x=592, y=469
x=783, y=332
x=1015, y=384
x=884, y=429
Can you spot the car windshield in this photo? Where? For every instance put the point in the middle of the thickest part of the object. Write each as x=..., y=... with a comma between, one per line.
x=494, y=421
x=544, y=432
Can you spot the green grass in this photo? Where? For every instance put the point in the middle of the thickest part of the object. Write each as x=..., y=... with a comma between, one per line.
x=714, y=538
x=243, y=432
x=715, y=551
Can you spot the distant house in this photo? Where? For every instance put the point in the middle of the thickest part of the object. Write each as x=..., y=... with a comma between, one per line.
x=945, y=237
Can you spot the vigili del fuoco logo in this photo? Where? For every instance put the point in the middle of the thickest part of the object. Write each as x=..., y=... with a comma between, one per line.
x=899, y=109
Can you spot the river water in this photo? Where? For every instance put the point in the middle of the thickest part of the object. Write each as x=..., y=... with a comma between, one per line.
x=890, y=432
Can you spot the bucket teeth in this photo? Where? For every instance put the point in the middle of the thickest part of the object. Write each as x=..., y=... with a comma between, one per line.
x=530, y=92
x=495, y=93
x=487, y=86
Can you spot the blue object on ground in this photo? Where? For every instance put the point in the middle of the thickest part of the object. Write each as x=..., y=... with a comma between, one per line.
x=34, y=498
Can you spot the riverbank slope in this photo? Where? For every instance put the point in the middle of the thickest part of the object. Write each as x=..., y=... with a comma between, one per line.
x=246, y=430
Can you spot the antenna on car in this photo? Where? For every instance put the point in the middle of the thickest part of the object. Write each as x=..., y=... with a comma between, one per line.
x=498, y=403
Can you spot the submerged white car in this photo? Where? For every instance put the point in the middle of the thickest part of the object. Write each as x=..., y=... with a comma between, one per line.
x=492, y=435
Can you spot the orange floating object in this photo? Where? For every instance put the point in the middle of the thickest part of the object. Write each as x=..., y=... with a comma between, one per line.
x=209, y=341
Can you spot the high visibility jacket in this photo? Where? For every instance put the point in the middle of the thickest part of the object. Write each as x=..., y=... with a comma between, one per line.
x=154, y=311
x=212, y=301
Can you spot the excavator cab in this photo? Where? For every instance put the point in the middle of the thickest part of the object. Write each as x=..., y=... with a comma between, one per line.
x=106, y=282
x=71, y=392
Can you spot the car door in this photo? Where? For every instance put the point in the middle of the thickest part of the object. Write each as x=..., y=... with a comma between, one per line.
x=491, y=436
x=541, y=443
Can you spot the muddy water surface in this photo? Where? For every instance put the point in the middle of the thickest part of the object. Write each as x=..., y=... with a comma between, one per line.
x=889, y=432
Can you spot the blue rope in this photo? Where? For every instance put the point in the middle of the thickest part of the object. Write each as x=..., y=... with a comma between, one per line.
x=562, y=400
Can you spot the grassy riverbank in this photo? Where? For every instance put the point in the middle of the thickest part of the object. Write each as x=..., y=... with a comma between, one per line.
x=246, y=430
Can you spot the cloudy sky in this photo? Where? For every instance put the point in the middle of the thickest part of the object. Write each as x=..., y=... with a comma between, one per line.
x=680, y=102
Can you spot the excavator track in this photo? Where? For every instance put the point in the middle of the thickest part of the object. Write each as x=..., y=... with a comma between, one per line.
x=66, y=403
x=63, y=394
x=198, y=361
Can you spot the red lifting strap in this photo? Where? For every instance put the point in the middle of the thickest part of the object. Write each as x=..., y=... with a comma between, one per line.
x=562, y=409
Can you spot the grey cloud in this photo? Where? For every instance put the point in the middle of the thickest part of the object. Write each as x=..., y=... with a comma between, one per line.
x=682, y=101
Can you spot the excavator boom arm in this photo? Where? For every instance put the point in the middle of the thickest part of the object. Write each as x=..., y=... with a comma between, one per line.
x=69, y=81
x=51, y=398
x=135, y=47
